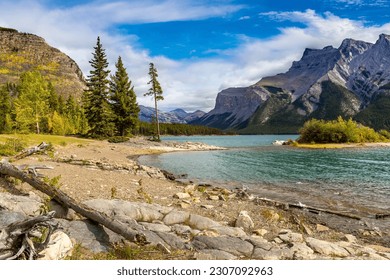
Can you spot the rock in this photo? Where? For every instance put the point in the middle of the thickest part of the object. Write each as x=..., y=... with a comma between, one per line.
x=350, y=238
x=91, y=236
x=229, y=231
x=156, y=227
x=135, y=210
x=181, y=195
x=176, y=217
x=232, y=245
x=307, y=230
x=206, y=206
x=9, y=217
x=27, y=205
x=302, y=251
x=321, y=228
x=190, y=189
x=260, y=242
x=244, y=221
x=62, y=212
x=182, y=230
x=326, y=248
x=184, y=205
x=213, y=197
x=201, y=223
x=379, y=248
x=210, y=254
x=59, y=247
x=273, y=254
x=290, y=237
x=260, y=231
x=172, y=240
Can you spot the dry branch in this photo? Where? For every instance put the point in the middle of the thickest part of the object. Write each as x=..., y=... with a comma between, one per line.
x=16, y=239
x=62, y=198
x=28, y=152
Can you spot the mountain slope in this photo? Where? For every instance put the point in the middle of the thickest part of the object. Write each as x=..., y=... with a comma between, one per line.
x=21, y=52
x=147, y=114
x=324, y=83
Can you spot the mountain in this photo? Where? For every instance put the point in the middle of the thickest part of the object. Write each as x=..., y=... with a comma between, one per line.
x=21, y=52
x=147, y=114
x=349, y=81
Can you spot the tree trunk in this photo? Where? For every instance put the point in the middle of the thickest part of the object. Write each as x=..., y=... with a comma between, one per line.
x=62, y=198
x=157, y=122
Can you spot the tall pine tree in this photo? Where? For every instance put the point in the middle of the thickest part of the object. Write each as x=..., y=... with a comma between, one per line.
x=155, y=90
x=124, y=101
x=95, y=98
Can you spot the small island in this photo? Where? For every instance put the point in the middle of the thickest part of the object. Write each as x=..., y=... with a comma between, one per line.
x=339, y=133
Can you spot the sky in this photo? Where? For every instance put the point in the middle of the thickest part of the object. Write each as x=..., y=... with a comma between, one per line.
x=199, y=47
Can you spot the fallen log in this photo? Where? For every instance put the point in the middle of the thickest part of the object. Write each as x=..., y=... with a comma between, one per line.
x=8, y=169
x=311, y=209
x=28, y=152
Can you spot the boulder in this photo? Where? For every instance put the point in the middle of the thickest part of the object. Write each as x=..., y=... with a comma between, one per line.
x=59, y=247
x=28, y=205
x=232, y=245
x=211, y=254
x=156, y=227
x=201, y=223
x=244, y=221
x=274, y=254
x=326, y=248
x=289, y=236
x=176, y=217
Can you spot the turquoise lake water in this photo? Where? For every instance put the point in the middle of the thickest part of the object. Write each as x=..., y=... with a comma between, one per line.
x=353, y=179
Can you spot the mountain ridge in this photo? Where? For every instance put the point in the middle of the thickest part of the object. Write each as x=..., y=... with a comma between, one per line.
x=350, y=76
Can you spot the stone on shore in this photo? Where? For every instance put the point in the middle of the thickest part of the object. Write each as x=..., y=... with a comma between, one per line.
x=59, y=247
x=326, y=248
x=244, y=221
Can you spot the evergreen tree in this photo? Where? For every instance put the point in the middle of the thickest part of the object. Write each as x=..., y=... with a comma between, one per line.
x=5, y=107
x=123, y=100
x=32, y=106
x=95, y=98
x=155, y=90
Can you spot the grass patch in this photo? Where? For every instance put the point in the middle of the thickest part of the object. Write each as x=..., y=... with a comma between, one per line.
x=35, y=139
x=128, y=252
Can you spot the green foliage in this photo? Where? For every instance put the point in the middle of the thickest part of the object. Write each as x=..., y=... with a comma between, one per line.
x=118, y=139
x=178, y=129
x=5, y=108
x=31, y=106
x=12, y=146
x=338, y=131
x=124, y=101
x=97, y=109
x=376, y=115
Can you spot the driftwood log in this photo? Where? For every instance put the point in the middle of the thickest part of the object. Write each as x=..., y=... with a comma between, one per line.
x=28, y=152
x=25, y=239
x=10, y=170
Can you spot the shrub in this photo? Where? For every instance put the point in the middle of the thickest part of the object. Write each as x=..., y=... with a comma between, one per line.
x=339, y=131
x=118, y=139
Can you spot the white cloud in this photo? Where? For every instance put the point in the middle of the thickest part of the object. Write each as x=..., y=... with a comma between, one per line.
x=188, y=83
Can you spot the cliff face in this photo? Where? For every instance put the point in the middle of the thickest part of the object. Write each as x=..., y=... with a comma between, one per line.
x=324, y=84
x=21, y=52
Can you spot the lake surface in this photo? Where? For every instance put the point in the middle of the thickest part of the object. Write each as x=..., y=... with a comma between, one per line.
x=352, y=180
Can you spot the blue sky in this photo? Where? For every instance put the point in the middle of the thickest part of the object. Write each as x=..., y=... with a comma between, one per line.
x=199, y=47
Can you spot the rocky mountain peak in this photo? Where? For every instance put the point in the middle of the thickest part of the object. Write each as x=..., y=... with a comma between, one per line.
x=324, y=83
x=21, y=52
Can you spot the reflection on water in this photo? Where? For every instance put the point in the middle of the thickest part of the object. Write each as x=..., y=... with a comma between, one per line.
x=347, y=179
